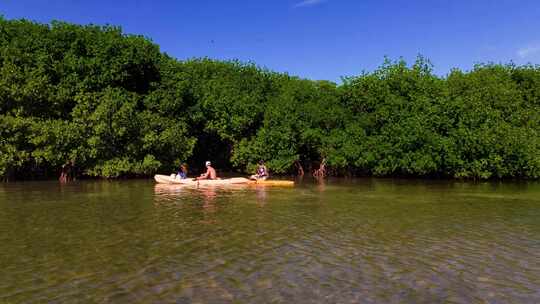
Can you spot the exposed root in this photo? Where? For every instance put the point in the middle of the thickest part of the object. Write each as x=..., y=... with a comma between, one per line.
x=299, y=168
x=321, y=172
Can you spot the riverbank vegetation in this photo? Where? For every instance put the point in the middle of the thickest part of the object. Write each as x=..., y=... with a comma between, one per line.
x=107, y=104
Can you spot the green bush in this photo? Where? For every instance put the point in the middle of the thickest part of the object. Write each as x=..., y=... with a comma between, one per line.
x=113, y=105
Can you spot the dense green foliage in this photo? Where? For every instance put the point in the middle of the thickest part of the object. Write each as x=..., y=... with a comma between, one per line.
x=114, y=105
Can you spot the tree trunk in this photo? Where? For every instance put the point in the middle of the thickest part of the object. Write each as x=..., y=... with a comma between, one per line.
x=321, y=172
x=299, y=168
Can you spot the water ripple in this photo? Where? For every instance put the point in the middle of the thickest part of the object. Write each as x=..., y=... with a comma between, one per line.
x=134, y=242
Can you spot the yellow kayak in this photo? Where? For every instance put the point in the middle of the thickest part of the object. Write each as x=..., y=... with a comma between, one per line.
x=282, y=183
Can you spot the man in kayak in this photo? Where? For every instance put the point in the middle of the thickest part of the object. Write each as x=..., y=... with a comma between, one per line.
x=262, y=172
x=210, y=172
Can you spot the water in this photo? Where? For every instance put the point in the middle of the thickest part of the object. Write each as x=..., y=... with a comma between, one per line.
x=359, y=241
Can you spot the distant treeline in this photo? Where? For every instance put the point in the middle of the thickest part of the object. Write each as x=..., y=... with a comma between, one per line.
x=108, y=104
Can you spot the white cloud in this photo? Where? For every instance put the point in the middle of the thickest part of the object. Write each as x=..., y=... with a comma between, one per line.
x=528, y=51
x=307, y=3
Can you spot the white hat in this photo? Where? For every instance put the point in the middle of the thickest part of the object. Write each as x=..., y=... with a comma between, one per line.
x=208, y=163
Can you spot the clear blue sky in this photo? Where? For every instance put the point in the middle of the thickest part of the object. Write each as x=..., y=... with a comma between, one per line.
x=317, y=39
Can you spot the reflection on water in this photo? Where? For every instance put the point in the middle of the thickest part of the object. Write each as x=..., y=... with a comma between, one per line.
x=337, y=241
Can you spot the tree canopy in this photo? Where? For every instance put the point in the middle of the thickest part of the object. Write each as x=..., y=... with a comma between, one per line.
x=113, y=105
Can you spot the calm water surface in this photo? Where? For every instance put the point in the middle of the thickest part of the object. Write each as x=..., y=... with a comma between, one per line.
x=359, y=241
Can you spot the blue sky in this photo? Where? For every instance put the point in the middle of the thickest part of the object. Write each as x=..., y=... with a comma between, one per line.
x=316, y=39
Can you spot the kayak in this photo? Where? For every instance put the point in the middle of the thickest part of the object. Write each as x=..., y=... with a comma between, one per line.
x=165, y=179
x=267, y=182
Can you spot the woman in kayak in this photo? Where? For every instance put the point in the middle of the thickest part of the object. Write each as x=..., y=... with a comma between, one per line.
x=182, y=172
x=262, y=172
x=210, y=172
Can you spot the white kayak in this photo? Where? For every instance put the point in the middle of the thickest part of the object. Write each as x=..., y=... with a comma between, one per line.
x=166, y=179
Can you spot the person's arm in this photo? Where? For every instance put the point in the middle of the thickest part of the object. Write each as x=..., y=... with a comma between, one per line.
x=205, y=175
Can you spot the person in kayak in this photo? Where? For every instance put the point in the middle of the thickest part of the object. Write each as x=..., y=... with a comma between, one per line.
x=262, y=172
x=182, y=172
x=210, y=172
